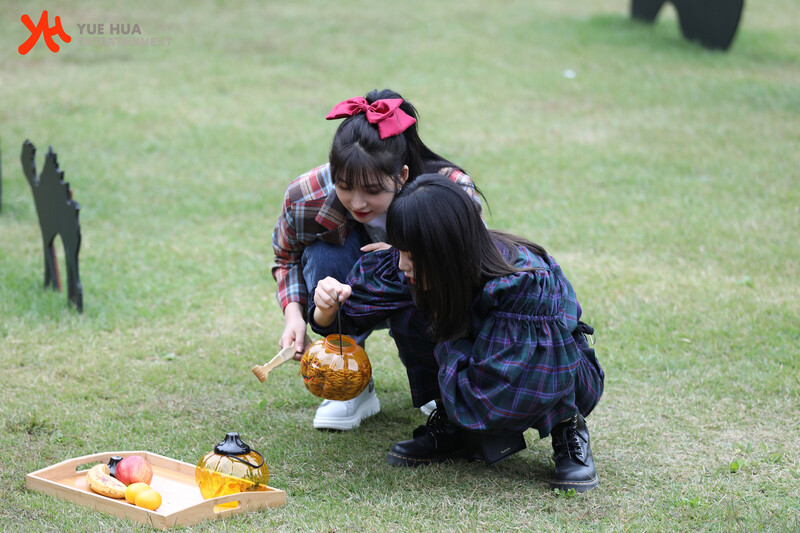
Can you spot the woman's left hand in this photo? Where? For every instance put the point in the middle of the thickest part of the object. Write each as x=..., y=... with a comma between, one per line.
x=375, y=246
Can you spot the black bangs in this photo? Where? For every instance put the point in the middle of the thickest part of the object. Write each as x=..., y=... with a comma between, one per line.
x=359, y=158
x=409, y=222
x=361, y=171
x=439, y=226
x=403, y=227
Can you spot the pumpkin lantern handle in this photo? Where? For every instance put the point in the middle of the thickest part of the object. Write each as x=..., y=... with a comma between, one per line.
x=339, y=321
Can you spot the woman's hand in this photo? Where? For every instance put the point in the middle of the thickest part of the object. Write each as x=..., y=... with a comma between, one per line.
x=294, y=330
x=375, y=246
x=328, y=295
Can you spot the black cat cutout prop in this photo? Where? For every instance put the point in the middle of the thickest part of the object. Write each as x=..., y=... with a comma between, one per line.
x=712, y=23
x=58, y=215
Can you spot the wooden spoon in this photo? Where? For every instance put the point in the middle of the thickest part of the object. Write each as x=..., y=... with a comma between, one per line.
x=261, y=371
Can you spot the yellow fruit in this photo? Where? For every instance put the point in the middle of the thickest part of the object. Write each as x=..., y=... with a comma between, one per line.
x=101, y=482
x=149, y=499
x=133, y=491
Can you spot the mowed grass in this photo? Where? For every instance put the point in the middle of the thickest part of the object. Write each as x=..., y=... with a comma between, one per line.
x=662, y=176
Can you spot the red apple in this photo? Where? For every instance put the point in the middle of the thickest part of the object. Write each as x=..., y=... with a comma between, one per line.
x=134, y=469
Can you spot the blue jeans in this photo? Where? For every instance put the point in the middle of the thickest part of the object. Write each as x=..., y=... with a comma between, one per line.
x=321, y=259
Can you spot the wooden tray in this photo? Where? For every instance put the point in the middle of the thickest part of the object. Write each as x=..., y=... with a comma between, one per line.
x=182, y=504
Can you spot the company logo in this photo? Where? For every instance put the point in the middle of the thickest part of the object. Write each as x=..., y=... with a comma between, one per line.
x=91, y=34
x=43, y=29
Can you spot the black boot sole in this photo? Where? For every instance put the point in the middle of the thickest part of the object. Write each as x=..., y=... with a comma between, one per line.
x=579, y=486
x=396, y=459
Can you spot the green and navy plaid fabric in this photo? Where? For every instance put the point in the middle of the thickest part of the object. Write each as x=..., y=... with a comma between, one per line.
x=524, y=363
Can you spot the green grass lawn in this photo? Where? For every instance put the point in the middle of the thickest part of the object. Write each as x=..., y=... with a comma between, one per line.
x=663, y=177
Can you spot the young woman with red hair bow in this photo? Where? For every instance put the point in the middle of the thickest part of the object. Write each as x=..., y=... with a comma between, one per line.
x=336, y=212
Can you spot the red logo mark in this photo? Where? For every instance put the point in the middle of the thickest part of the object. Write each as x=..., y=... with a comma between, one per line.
x=43, y=29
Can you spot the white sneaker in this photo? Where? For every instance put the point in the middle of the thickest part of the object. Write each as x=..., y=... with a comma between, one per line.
x=333, y=414
x=428, y=408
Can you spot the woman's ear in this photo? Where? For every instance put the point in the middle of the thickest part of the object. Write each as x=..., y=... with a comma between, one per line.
x=403, y=175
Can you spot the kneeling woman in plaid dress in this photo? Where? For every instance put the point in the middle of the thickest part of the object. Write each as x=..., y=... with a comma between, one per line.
x=486, y=324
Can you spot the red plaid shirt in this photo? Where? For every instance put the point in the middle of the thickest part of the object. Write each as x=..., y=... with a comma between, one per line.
x=312, y=211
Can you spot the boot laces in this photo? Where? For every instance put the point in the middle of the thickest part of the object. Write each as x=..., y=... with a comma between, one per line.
x=569, y=444
x=437, y=421
x=437, y=424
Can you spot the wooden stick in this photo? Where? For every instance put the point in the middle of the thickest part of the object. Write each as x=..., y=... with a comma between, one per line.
x=261, y=371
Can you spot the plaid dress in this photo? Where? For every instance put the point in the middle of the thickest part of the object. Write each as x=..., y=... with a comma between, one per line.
x=312, y=211
x=525, y=362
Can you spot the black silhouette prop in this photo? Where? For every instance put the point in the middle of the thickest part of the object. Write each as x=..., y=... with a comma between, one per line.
x=712, y=23
x=58, y=215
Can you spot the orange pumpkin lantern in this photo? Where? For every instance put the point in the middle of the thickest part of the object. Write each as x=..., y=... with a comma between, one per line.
x=335, y=368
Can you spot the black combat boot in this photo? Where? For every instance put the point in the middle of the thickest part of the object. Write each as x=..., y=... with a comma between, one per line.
x=437, y=441
x=573, y=456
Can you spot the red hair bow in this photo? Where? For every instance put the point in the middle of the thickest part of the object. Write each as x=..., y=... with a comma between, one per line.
x=386, y=113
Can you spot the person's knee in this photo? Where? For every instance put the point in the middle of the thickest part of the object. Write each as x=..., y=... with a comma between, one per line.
x=321, y=259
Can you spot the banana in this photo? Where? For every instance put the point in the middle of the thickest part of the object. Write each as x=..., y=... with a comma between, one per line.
x=101, y=482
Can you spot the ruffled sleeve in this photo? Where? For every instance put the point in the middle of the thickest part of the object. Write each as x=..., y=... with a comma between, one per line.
x=379, y=289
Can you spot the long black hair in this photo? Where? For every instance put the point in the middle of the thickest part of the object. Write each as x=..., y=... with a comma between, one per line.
x=454, y=254
x=359, y=158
